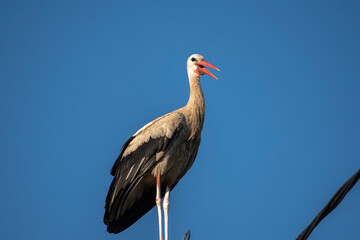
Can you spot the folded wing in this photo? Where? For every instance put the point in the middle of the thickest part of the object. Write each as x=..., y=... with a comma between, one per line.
x=132, y=191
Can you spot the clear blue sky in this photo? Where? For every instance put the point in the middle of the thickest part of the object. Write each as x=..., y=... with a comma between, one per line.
x=281, y=133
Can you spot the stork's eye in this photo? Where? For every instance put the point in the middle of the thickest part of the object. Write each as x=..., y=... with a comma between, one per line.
x=193, y=59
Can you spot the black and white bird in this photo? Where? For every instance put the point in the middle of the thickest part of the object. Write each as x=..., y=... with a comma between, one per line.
x=155, y=158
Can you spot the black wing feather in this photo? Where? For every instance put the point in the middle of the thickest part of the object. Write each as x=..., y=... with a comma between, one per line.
x=117, y=162
x=141, y=161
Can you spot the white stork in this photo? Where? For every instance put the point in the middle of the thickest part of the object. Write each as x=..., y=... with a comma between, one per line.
x=155, y=158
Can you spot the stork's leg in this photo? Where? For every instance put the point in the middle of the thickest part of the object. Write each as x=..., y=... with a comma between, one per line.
x=158, y=203
x=166, y=206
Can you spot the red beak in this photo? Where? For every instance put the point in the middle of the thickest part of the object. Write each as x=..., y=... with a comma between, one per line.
x=202, y=64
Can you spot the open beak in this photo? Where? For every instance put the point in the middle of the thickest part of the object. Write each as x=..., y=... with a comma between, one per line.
x=202, y=64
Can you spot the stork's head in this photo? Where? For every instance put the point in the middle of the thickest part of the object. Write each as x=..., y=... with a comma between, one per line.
x=196, y=65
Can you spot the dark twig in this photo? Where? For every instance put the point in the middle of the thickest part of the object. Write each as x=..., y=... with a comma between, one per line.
x=331, y=205
x=187, y=235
